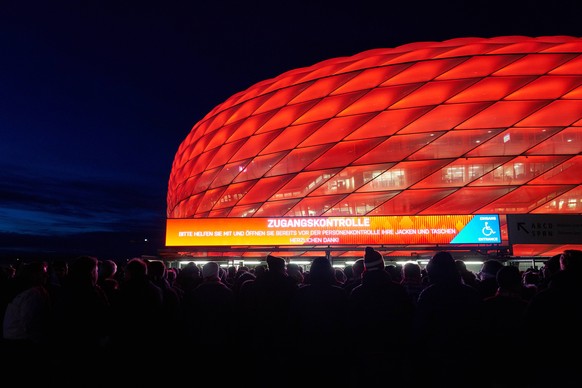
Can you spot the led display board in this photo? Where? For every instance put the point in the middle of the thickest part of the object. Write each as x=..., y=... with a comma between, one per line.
x=359, y=230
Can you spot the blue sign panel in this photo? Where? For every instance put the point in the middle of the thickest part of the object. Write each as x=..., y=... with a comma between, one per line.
x=482, y=229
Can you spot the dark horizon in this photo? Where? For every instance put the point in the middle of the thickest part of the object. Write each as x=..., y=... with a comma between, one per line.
x=117, y=246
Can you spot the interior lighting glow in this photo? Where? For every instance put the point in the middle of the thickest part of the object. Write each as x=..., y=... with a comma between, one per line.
x=300, y=262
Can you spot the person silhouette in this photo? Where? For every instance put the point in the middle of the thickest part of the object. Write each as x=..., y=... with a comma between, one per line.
x=448, y=317
x=557, y=310
x=378, y=306
x=317, y=321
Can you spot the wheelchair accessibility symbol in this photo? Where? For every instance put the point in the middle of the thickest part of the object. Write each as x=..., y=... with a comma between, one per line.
x=487, y=230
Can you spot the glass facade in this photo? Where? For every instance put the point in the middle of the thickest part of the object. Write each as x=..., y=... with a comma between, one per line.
x=464, y=126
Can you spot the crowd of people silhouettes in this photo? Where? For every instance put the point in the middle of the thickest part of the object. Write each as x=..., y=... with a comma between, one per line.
x=96, y=323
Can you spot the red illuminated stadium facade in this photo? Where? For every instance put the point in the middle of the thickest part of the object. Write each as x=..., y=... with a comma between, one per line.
x=465, y=126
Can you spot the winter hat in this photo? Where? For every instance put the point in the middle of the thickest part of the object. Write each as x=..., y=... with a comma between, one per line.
x=373, y=260
x=276, y=263
x=443, y=268
x=210, y=270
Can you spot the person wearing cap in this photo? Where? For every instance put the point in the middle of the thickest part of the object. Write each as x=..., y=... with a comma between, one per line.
x=373, y=260
x=380, y=315
x=210, y=306
x=276, y=264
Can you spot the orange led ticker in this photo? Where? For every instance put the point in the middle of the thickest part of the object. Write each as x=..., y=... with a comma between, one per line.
x=298, y=231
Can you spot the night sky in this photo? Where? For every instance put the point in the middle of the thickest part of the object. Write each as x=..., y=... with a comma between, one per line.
x=96, y=96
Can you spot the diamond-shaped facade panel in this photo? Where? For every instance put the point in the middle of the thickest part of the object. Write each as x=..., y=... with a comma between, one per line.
x=462, y=126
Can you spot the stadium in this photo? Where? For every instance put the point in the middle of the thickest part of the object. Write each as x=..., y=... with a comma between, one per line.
x=428, y=135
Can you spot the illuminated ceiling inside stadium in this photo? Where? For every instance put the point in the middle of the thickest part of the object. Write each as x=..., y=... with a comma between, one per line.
x=464, y=126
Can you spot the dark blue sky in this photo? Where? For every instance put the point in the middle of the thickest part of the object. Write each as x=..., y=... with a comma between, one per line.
x=96, y=96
